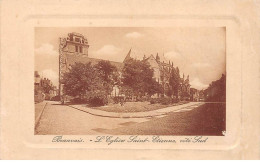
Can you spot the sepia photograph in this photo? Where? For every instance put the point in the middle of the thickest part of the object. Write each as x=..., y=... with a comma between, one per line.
x=130, y=81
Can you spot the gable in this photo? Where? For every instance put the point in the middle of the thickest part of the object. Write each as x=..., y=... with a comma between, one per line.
x=153, y=63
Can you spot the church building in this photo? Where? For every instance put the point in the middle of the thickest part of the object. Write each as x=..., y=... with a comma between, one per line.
x=74, y=49
x=162, y=70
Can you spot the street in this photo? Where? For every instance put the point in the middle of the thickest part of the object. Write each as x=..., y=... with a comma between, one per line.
x=59, y=119
x=64, y=120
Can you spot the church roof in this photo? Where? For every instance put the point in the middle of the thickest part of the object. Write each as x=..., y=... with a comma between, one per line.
x=77, y=34
x=151, y=56
x=128, y=56
x=71, y=59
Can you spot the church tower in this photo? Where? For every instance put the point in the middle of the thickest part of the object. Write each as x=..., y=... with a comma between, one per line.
x=77, y=44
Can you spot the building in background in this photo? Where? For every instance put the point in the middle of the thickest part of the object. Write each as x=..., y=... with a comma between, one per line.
x=194, y=94
x=39, y=96
x=43, y=88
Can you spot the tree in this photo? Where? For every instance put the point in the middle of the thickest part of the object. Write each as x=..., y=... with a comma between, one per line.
x=138, y=76
x=83, y=81
x=174, y=81
x=217, y=90
x=46, y=87
x=169, y=92
x=154, y=87
x=108, y=73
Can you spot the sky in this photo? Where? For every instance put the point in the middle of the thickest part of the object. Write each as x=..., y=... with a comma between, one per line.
x=199, y=52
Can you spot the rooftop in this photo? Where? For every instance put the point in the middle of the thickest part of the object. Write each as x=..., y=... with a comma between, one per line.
x=84, y=59
x=77, y=34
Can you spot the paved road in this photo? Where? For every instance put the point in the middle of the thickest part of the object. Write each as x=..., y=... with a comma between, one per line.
x=59, y=119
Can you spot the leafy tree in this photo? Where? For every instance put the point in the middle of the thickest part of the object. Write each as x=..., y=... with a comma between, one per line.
x=175, y=81
x=138, y=76
x=127, y=91
x=154, y=87
x=46, y=85
x=217, y=90
x=169, y=92
x=83, y=81
x=47, y=88
x=108, y=73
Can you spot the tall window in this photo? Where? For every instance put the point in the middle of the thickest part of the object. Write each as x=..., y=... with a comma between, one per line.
x=77, y=48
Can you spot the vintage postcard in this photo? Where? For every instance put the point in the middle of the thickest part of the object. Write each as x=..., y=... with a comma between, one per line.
x=130, y=81
x=132, y=84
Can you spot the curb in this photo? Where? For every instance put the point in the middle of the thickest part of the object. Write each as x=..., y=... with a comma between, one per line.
x=39, y=117
x=111, y=116
x=108, y=116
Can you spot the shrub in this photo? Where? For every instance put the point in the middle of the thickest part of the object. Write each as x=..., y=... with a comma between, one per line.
x=118, y=99
x=98, y=101
x=185, y=98
x=165, y=100
x=175, y=100
x=110, y=100
x=78, y=101
x=47, y=97
x=162, y=100
x=153, y=101
x=129, y=99
x=142, y=99
x=55, y=98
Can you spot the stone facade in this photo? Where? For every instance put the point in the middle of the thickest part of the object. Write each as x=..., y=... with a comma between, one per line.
x=77, y=44
x=162, y=70
x=74, y=48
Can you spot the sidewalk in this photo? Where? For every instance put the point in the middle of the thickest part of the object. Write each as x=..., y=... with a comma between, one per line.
x=39, y=107
x=152, y=113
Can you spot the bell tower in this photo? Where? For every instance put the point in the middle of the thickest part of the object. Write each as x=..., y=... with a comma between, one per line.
x=77, y=44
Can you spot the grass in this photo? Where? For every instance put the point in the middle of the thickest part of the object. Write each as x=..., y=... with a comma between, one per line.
x=134, y=107
x=208, y=119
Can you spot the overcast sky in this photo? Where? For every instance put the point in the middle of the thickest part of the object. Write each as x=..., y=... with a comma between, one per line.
x=198, y=52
